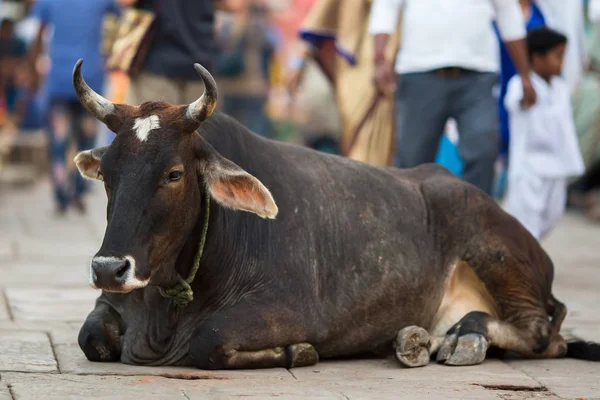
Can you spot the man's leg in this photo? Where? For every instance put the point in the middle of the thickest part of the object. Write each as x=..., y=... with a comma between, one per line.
x=422, y=111
x=191, y=91
x=85, y=131
x=59, y=135
x=151, y=87
x=476, y=115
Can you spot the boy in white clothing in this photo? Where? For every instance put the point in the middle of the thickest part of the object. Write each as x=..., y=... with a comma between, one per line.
x=543, y=150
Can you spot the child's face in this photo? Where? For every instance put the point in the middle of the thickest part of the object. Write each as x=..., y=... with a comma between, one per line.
x=550, y=64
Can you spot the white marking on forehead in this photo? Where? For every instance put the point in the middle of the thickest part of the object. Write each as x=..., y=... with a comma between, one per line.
x=143, y=126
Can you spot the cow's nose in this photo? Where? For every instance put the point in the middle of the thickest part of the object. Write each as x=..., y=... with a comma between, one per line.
x=110, y=272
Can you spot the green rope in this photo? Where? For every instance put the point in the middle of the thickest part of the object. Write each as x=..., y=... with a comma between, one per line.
x=182, y=292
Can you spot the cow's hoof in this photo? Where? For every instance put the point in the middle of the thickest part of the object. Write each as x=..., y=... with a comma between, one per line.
x=302, y=355
x=412, y=346
x=447, y=348
x=470, y=349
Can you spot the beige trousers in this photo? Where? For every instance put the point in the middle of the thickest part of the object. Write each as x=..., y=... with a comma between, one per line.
x=151, y=87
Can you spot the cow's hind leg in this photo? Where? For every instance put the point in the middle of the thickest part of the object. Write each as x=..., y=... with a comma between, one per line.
x=248, y=337
x=100, y=336
x=466, y=343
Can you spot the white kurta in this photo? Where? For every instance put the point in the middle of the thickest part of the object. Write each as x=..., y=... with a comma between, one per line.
x=568, y=17
x=543, y=153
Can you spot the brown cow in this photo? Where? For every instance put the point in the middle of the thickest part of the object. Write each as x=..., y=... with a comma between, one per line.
x=335, y=258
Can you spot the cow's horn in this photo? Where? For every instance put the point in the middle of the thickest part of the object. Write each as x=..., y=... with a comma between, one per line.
x=201, y=109
x=97, y=105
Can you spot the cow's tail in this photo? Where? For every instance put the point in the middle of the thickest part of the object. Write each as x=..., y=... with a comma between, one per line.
x=579, y=349
x=583, y=350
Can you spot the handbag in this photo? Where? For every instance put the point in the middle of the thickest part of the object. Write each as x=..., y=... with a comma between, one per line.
x=232, y=63
x=133, y=40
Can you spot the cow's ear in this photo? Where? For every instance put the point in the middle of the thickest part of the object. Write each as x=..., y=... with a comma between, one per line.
x=232, y=187
x=88, y=162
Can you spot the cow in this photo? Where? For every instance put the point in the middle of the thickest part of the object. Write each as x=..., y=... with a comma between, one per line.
x=227, y=250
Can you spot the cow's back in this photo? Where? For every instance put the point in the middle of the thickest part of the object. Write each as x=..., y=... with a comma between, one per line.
x=349, y=238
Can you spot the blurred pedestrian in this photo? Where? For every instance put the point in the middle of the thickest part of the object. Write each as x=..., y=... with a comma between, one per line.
x=447, y=67
x=343, y=49
x=183, y=34
x=77, y=33
x=544, y=151
x=565, y=17
x=534, y=19
x=586, y=107
x=247, y=44
x=12, y=53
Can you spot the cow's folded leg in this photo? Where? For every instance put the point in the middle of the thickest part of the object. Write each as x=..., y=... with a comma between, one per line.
x=412, y=346
x=467, y=342
x=100, y=336
x=241, y=338
x=295, y=355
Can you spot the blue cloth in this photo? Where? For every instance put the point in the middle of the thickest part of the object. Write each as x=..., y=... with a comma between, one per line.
x=448, y=156
x=507, y=71
x=77, y=28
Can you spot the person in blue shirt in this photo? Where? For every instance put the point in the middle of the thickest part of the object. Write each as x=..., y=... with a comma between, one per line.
x=77, y=33
x=535, y=19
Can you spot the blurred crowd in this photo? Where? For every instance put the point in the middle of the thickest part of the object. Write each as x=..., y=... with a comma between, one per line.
x=505, y=93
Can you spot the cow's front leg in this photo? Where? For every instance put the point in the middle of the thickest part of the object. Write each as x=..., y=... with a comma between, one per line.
x=100, y=335
x=248, y=337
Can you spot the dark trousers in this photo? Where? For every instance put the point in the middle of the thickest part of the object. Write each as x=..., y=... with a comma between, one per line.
x=250, y=111
x=590, y=180
x=68, y=124
x=425, y=101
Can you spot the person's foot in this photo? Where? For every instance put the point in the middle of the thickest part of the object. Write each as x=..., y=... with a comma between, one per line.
x=79, y=206
x=581, y=199
x=60, y=211
x=593, y=213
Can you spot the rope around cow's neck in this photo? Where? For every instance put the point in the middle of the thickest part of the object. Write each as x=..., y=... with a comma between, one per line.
x=182, y=293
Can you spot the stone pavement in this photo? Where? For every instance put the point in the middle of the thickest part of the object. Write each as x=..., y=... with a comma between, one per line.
x=44, y=299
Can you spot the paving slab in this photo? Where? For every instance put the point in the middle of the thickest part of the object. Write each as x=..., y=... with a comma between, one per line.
x=567, y=378
x=59, y=387
x=63, y=386
x=26, y=352
x=4, y=391
x=39, y=326
x=7, y=247
x=390, y=390
x=4, y=313
x=63, y=272
x=492, y=372
x=51, y=304
x=31, y=248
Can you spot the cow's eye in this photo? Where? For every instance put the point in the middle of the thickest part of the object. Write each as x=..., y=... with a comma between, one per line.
x=174, y=176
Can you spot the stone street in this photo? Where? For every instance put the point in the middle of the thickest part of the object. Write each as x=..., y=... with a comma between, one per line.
x=45, y=297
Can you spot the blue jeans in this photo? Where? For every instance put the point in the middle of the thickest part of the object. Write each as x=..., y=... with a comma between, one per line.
x=425, y=101
x=250, y=111
x=68, y=124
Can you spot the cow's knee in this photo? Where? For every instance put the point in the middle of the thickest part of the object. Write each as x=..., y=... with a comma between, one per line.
x=210, y=349
x=100, y=336
x=207, y=349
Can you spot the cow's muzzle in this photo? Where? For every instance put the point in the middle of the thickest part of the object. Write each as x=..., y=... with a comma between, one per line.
x=114, y=274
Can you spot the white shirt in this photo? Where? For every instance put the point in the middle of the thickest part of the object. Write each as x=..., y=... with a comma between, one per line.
x=568, y=17
x=543, y=140
x=594, y=11
x=448, y=33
